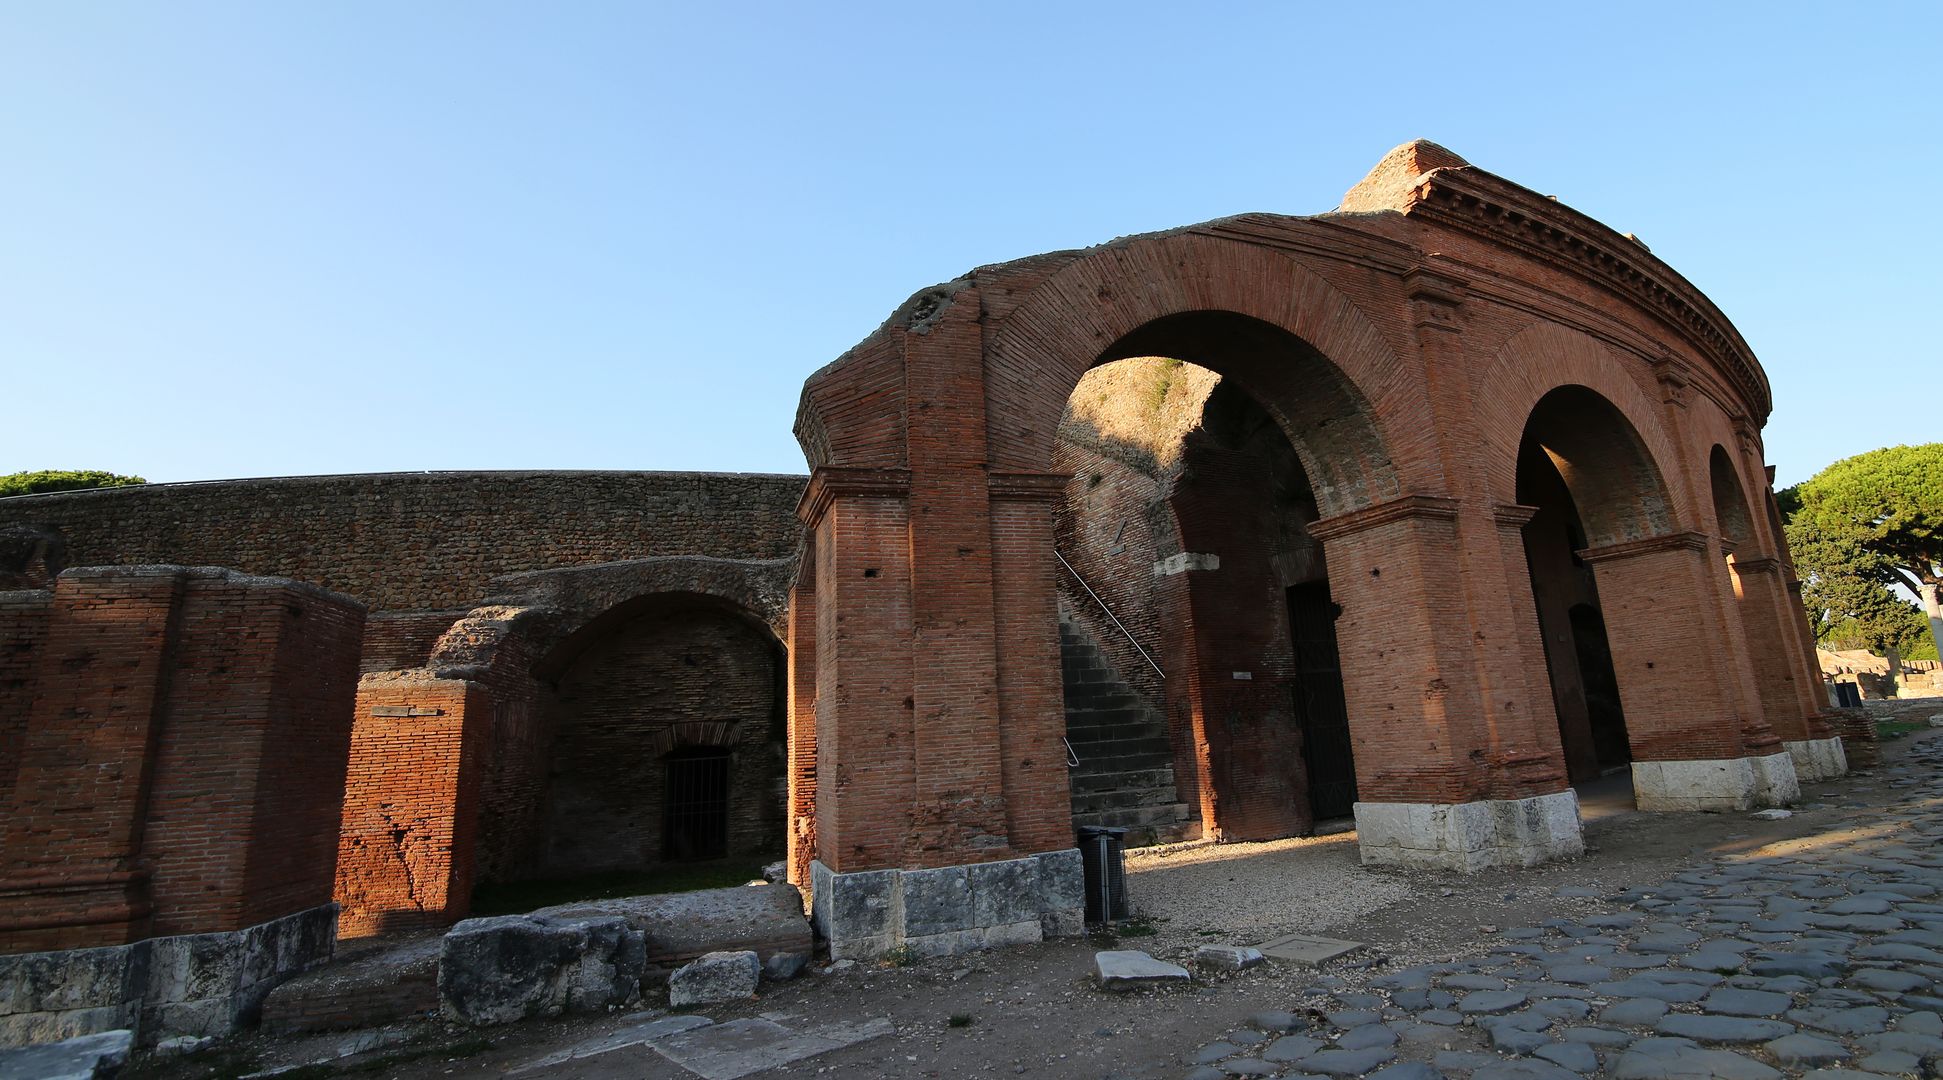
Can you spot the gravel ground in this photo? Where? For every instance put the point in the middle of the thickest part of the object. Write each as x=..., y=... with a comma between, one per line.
x=1250, y=892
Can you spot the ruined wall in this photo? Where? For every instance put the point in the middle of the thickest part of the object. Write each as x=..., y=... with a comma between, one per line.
x=677, y=678
x=182, y=757
x=421, y=541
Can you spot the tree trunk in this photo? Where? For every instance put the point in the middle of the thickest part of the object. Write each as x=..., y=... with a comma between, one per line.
x=1935, y=613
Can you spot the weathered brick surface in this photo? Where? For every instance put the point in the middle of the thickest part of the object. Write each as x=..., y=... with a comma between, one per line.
x=421, y=541
x=1407, y=351
x=406, y=846
x=182, y=758
x=686, y=675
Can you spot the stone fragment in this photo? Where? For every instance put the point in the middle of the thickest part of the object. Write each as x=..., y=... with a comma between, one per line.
x=83, y=1057
x=1775, y=814
x=1228, y=957
x=509, y=967
x=715, y=978
x=1130, y=969
x=679, y=927
x=783, y=966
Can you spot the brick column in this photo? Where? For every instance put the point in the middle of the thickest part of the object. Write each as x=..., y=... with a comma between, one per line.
x=1680, y=681
x=1774, y=623
x=913, y=768
x=72, y=876
x=1439, y=785
x=411, y=802
x=800, y=822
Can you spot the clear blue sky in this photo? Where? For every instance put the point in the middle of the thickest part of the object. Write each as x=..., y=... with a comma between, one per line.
x=275, y=238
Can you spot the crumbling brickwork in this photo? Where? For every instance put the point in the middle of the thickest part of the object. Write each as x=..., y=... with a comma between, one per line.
x=182, y=758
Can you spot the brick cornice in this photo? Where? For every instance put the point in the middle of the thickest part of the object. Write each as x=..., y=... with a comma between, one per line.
x=1369, y=517
x=1513, y=515
x=830, y=481
x=1477, y=202
x=1028, y=486
x=1632, y=549
x=1761, y=564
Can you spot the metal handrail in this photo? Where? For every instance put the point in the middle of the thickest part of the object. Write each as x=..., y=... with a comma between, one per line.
x=1115, y=619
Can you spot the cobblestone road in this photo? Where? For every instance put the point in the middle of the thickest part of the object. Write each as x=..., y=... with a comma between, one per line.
x=1820, y=957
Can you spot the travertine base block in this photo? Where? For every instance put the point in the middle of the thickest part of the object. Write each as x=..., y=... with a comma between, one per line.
x=1818, y=759
x=1717, y=784
x=1470, y=836
x=949, y=909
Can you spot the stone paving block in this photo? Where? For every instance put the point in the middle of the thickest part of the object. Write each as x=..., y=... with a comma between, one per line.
x=1858, y=1021
x=1805, y=1049
x=1597, y=1036
x=1576, y=1056
x=1211, y=1053
x=1292, y=1048
x=1407, y=1070
x=1527, y=1069
x=1722, y=1029
x=1733, y=1001
x=1367, y=1037
x=1489, y=1001
x=1347, y=1062
x=1277, y=1021
x=1636, y=1012
x=1680, y=1059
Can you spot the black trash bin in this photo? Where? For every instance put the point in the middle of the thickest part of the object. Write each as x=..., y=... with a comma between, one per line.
x=1102, y=850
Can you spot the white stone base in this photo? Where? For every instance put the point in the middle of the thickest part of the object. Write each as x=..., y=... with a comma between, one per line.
x=1746, y=783
x=1470, y=836
x=1818, y=759
x=949, y=909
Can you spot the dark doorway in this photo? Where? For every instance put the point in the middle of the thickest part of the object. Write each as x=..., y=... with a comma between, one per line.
x=1320, y=711
x=1601, y=687
x=698, y=804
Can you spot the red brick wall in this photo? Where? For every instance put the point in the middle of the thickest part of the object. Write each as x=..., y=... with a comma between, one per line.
x=409, y=830
x=182, y=759
x=23, y=633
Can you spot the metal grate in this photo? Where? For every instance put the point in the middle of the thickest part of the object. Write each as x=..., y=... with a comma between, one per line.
x=698, y=804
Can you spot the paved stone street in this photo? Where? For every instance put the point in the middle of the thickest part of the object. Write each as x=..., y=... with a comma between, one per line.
x=1823, y=959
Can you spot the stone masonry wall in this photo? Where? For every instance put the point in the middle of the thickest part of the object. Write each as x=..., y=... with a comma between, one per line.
x=421, y=541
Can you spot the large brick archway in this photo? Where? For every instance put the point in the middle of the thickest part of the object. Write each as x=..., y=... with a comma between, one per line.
x=929, y=796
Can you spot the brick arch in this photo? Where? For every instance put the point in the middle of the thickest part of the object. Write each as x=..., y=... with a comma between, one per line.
x=1299, y=346
x=1733, y=514
x=1546, y=358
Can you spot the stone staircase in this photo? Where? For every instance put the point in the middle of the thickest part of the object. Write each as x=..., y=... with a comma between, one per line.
x=1125, y=776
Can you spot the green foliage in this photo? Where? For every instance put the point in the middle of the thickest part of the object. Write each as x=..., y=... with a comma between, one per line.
x=1857, y=528
x=31, y=483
